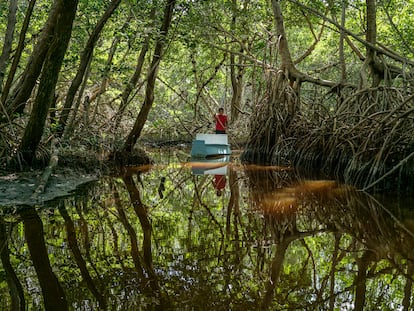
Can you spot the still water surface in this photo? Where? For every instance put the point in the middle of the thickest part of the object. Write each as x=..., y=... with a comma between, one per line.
x=192, y=236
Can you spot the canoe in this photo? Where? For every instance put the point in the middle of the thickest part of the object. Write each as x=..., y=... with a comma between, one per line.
x=210, y=145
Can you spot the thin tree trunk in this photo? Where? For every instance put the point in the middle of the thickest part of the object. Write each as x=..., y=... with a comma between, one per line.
x=201, y=88
x=105, y=75
x=53, y=62
x=135, y=254
x=233, y=205
x=18, y=54
x=236, y=73
x=84, y=61
x=152, y=74
x=342, y=36
x=332, y=272
x=134, y=79
x=341, y=44
x=80, y=261
x=8, y=41
x=197, y=82
x=84, y=233
x=141, y=212
x=68, y=130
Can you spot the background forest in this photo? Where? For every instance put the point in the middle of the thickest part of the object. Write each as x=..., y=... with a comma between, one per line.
x=322, y=85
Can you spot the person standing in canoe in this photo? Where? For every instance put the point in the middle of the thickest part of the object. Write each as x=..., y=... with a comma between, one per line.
x=221, y=121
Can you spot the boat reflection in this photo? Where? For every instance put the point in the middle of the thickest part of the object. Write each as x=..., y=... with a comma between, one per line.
x=210, y=166
x=217, y=166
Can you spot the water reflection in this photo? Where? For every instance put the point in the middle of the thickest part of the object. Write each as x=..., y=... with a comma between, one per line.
x=161, y=238
x=218, y=167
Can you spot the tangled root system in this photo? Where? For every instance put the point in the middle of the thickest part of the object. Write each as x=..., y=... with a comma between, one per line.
x=364, y=137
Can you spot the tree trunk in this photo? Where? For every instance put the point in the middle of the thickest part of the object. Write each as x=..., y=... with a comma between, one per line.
x=17, y=102
x=141, y=212
x=374, y=64
x=287, y=66
x=45, y=95
x=152, y=74
x=272, y=120
x=84, y=61
x=77, y=256
x=15, y=287
x=53, y=294
x=406, y=302
x=341, y=43
x=287, y=63
x=8, y=40
x=275, y=271
x=361, y=279
x=236, y=73
x=18, y=54
x=135, y=253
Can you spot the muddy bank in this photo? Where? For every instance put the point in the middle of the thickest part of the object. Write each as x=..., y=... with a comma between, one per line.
x=72, y=170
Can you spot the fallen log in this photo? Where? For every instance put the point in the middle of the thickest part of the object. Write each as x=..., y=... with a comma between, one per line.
x=41, y=184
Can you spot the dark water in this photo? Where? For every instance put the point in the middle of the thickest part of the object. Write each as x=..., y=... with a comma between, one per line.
x=165, y=238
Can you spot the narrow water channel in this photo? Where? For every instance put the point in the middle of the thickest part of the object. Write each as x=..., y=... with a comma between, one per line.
x=209, y=236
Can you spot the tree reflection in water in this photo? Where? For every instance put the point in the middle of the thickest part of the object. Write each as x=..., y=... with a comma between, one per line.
x=270, y=242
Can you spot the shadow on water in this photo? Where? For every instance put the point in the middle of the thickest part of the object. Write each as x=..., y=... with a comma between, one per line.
x=164, y=238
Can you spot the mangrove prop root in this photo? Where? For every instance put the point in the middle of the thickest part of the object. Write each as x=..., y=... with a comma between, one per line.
x=361, y=136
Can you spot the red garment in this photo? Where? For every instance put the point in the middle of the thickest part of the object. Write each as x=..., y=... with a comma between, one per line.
x=219, y=182
x=221, y=122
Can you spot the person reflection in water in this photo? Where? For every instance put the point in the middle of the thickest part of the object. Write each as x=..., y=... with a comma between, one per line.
x=219, y=184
